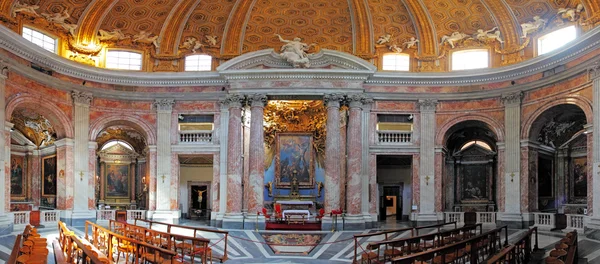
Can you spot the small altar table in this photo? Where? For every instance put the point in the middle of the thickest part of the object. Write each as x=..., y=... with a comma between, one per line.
x=295, y=216
x=296, y=212
x=292, y=202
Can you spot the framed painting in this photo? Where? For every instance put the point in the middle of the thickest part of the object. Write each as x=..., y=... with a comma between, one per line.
x=116, y=180
x=294, y=159
x=18, y=185
x=49, y=176
x=580, y=177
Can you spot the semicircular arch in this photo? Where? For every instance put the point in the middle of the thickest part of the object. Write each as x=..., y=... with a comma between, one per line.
x=494, y=126
x=123, y=119
x=583, y=103
x=58, y=118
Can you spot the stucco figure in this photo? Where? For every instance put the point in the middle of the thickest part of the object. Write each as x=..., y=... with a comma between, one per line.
x=532, y=26
x=452, y=39
x=294, y=52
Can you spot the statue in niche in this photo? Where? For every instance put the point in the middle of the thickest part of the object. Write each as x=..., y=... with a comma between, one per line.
x=144, y=36
x=294, y=52
x=319, y=188
x=452, y=39
x=24, y=8
x=572, y=14
x=411, y=43
x=532, y=26
x=482, y=35
x=294, y=190
x=200, y=195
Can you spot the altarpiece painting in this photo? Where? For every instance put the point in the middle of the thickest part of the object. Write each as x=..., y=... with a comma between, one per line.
x=294, y=158
x=117, y=180
x=49, y=176
x=17, y=181
x=579, y=177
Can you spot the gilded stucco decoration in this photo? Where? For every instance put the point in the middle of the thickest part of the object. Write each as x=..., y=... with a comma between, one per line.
x=123, y=133
x=34, y=126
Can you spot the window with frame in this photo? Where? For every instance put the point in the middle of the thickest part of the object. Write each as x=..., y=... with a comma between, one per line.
x=123, y=60
x=470, y=59
x=396, y=62
x=198, y=63
x=556, y=39
x=38, y=38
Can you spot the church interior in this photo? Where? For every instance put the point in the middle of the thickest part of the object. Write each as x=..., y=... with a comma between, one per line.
x=311, y=131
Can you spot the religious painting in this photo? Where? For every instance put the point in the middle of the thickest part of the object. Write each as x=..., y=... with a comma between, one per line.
x=580, y=177
x=474, y=182
x=294, y=164
x=117, y=180
x=49, y=176
x=545, y=177
x=17, y=179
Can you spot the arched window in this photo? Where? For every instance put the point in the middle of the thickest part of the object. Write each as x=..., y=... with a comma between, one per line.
x=556, y=39
x=396, y=62
x=38, y=38
x=470, y=59
x=198, y=63
x=478, y=143
x=115, y=142
x=123, y=60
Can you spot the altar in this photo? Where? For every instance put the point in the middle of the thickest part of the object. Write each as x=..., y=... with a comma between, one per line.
x=295, y=205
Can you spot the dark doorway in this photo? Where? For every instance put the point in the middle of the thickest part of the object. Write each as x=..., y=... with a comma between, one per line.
x=391, y=203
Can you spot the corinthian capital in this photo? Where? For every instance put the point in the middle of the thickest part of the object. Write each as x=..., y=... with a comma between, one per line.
x=81, y=97
x=333, y=100
x=233, y=101
x=594, y=70
x=512, y=99
x=355, y=100
x=427, y=105
x=259, y=100
x=3, y=69
x=163, y=104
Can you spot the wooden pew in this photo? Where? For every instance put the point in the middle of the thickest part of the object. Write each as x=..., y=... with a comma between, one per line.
x=172, y=228
x=29, y=248
x=14, y=254
x=383, y=233
x=438, y=226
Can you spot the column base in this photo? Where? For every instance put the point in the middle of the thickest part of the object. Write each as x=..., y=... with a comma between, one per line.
x=216, y=219
x=354, y=222
x=253, y=223
x=170, y=217
x=512, y=220
x=77, y=217
x=370, y=221
x=233, y=221
x=423, y=219
x=6, y=224
x=329, y=223
x=592, y=229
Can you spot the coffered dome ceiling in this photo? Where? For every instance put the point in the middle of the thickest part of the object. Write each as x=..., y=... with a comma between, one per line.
x=241, y=26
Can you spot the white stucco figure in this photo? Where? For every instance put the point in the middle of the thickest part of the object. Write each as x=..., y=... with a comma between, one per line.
x=294, y=52
x=452, y=39
x=570, y=13
x=24, y=8
x=384, y=39
x=395, y=48
x=61, y=19
x=484, y=35
x=111, y=35
x=191, y=43
x=532, y=26
x=411, y=43
x=211, y=40
x=145, y=37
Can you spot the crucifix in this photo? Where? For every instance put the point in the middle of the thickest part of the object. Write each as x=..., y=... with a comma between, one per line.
x=163, y=177
x=81, y=175
x=512, y=176
x=427, y=180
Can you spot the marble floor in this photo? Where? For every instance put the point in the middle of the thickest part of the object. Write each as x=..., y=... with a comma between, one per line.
x=248, y=246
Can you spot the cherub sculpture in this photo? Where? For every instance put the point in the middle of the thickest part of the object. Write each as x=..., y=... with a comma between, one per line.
x=532, y=26
x=395, y=48
x=211, y=40
x=191, y=43
x=24, y=8
x=452, y=39
x=486, y=35
x=61, y=19
x=409, y=44
x=144, y=36
x=570, y=13
x=384, y=39
x=116, y=34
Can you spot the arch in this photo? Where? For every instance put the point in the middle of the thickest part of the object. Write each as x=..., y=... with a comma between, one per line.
x=170, y=34
x=583, y=103
x=91, y=19
x=60, y=121
x=425, y=27
x=505, y=20
x=362, y=28
x=133, y=121
x=235, y=27
x=494, y=126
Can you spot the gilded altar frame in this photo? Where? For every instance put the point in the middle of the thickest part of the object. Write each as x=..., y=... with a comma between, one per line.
x=294, y=156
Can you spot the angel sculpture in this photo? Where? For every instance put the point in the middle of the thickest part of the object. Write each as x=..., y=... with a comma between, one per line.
x=455, y=37
x=144, y=36
x=61, y=19
x=570, y=13
x=211, y=40
x=532, y=26
x=111, y=35
x=409, y=44
x=384, y=39
x=24, y=8
x=294, y=52
x=485, y=35
x=395, y=48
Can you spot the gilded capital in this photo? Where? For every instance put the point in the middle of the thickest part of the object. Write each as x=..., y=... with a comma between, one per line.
x=81, y=97
x=333, y=100
x=163, y=104
x=512, y=98
x=427, y=105
x=233, y=101
x=259, y=100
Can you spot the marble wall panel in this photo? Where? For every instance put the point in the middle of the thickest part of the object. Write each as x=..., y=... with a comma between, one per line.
x=152, y=182
x=34, y=171
x=373, y=184
x=174, y=184
x=416, y=188
x=500, y=180
x=556, y=89
x=92, y=179
x=524, y=180
x=449, y=106
x=216, y=196
x=439, y=182
x=196, y=107
x=590, y=174
x=108, y=104
x=381, y=106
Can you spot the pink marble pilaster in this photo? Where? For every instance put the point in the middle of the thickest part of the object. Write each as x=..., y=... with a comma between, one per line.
x=216, y=196
x=257, y=153
x=416, y=187
x=439, y=198
x=332, y=150
x=174, y=184
x=500, y=191
x=354, y=161
x=152, y=175
x=234, y=155
x=524, y=180
x=93, y=178
x=532, y=187
x=343, y=169
x=102, y=168
x=590, y=173
x=34, y=171
x=7, y=171
x=372, y=184
x=64, y=168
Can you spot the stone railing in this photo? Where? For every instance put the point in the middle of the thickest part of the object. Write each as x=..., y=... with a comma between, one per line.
x=196, y=137
x=575, y=222
x=486, y=218
x=105, y=215
x=458, y=217
x=50, y=218
x=135, y=214
x=544, y=220
x=394, y=137
x=20, y=219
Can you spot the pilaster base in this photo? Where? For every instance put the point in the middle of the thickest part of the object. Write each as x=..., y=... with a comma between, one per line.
x=512, y=220
x=329, y=223
x=370, y=222
x=354, y=222
x=216, y=219
x=592, y=229
x=170, y=217
x=423, y=219
x=77, y=217
x=6, y=224
x=233, y=221
x=255, y=223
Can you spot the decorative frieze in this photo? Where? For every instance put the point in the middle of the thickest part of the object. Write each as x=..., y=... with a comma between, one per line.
x=81, y=98
x=427, y=105
x=512, y=98
x=163, y=104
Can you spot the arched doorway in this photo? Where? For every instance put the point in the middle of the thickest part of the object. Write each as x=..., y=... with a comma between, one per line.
x=557, y=160
x=470, y=167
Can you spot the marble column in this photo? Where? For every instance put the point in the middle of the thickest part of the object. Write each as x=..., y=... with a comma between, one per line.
x=65, y=181
x=6, y=225
x=233, y=217
x=332, y=150
x=512, y=162
x=593, y=229
x=222, y=132
x=365, y=169
x=354, y=191
x=256, y=158
x=427, y=178
x=164, y=212
x=81, y=121
x=34, y=171
x=152, y=178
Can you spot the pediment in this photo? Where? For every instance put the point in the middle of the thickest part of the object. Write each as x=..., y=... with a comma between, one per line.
x=119, y=150
x=474, y=150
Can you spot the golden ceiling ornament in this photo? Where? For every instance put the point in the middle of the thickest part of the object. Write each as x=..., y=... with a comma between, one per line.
x=165, y=57
x=88, y=49
x=513, y=49
x=35, y=127
x=295, y=116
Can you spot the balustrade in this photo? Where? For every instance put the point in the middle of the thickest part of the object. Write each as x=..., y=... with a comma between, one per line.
x=394, y=137
x=20, y=219
x=198, y=137
x=50, y=218
x=544, y=220
x=575, y=222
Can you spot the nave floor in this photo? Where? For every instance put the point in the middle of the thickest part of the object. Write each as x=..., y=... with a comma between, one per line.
x=248, y=246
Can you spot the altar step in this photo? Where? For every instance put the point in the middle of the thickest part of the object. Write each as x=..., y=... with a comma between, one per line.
x=286, y=226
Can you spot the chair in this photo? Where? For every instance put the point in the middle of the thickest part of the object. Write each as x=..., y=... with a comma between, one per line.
x=277, y=213
x=264, y=212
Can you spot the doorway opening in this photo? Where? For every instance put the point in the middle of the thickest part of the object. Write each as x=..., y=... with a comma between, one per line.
x=394, y=180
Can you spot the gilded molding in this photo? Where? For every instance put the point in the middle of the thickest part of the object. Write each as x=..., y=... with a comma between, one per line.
x=91, y=19
x=505, y=21
x=82, y=98
x=170, y=34
x=233, y=37
x=512, y=99
x=163, y=104
x=591, y=6
x=424, y=27
x=5, y=7
x=362, y=28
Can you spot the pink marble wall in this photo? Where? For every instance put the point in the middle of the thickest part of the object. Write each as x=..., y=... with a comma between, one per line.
x=34, y=172
x=92, y=180
x=343, y=161
x=65, y=190
x=7, y=174
x=590, y=173
x=216, y=197
x=373, y=184
x=152, y=183
x=524, y=180
x=500, y=189
x=533, y=180
x=174, y=184
x=416, y=187
x=439, y=183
